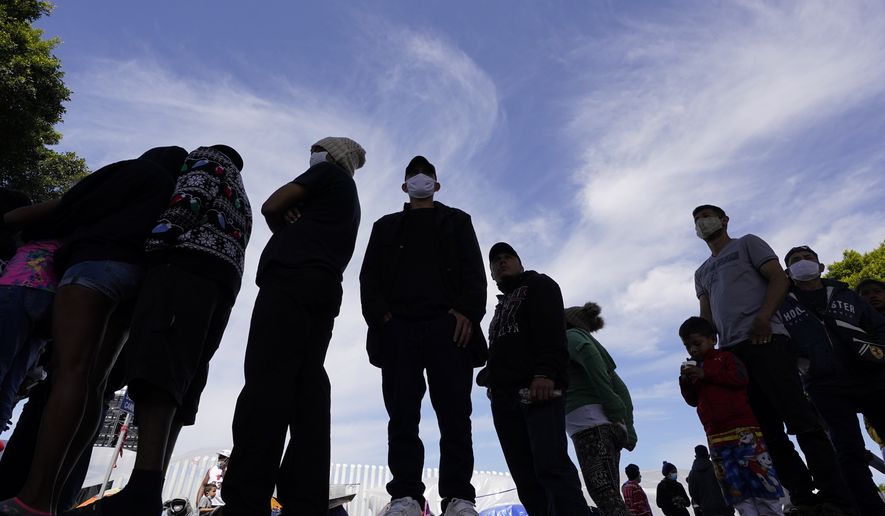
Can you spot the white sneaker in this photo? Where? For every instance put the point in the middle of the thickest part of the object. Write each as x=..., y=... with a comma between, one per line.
x=402, y=507
x=458, y=507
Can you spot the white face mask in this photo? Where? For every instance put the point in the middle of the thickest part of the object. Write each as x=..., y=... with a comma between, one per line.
x=805, y=270
x=706, y=226
x=318, y=157
x=420, y=186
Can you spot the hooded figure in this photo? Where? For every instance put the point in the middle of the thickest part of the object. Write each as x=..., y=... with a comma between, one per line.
x=703, y=486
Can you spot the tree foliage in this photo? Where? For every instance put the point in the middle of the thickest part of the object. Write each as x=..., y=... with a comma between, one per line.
x=32, y=93
x=855, y=267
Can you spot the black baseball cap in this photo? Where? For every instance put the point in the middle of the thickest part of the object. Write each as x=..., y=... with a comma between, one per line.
x=795, y=250
x=501, y=248
x=418, y=165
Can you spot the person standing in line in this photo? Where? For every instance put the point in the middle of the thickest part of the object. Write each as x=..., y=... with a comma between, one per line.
x=314, y=220
x=740, y=288
x=873, y=291
x=842, y=341
x=671, y=496
x=527, y=373
x=715, y=382
x=634, y=496
x=103, y=220
x=598, y=410
x=703, y=487
x=423, y=292
x=195, y=256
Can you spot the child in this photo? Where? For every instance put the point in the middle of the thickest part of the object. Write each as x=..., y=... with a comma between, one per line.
x=208, y=501
x=715, y=382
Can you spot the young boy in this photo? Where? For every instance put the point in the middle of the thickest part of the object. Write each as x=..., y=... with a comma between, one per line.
x=715, y=382
x=208, y=502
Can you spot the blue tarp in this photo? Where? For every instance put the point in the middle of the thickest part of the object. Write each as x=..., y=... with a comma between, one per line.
x=505, y=510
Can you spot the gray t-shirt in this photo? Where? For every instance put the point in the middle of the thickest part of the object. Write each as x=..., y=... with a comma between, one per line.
x=736, y=288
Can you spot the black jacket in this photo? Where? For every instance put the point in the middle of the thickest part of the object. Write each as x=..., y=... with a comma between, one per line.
x=108, y=214
x=705, y=490
x=527, y=335
x=464, y=274
x=672, y=498
x=830, y=340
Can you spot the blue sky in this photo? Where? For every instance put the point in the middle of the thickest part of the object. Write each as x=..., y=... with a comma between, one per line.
x=582, y=132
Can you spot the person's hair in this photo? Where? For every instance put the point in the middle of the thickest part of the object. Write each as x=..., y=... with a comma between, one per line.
x=719, y=211
x=701, y=451
x=868, y=281
x=208, y=487
x=12, y=199
x=585, y=317
x=697, y=325
x=632, y=471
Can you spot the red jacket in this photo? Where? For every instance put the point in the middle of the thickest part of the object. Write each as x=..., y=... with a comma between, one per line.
x=721, y=395
x=634, y=497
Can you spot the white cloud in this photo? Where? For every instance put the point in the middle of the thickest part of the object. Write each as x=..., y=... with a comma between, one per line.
x=430, y=97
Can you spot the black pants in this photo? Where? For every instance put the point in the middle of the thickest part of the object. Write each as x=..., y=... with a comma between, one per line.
x=533, y=440
x=409, y=349
x=777, y=399
x=286, y=389
x=839, y=407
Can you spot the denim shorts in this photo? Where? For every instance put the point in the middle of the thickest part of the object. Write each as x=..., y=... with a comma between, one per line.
x=117, y=280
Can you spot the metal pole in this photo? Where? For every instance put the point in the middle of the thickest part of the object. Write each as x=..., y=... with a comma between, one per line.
x=120, y=439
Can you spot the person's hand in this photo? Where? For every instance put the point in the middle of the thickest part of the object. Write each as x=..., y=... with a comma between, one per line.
x=387, y=317
x=693, y=372
x=760, y=331
x=292, y=215
x=463, y=329
x=541, y=389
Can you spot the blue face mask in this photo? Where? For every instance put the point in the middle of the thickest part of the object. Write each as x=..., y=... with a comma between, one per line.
x=673, y=476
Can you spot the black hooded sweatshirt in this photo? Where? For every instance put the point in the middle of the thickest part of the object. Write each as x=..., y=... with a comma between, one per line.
x=527, y=335
x=705, y=490
x=109, y=213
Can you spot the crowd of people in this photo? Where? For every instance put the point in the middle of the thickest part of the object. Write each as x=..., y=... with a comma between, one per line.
x=130, y=277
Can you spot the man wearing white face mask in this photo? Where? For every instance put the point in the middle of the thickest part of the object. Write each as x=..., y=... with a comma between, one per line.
x=740, y=288
x=843, y=339
x=423, y=292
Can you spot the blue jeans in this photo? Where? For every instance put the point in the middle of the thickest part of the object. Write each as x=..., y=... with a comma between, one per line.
x=22, y=309
x=534, y=443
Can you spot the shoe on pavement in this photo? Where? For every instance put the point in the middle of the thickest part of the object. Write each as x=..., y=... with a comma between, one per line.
x=458, y=507
x=402, y=507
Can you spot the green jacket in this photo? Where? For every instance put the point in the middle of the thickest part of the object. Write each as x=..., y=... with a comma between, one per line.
x=593, y=380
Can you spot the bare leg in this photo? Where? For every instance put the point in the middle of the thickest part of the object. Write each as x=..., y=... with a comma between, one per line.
x=114, y=338
x=80, y=317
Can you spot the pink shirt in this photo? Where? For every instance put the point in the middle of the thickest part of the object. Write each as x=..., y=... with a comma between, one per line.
x=32, y=266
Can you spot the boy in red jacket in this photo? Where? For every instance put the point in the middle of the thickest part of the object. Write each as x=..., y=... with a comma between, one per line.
x=715, y=382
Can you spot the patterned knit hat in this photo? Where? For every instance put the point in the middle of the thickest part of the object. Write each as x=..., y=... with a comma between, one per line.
x=346, y=152
x=585, y=317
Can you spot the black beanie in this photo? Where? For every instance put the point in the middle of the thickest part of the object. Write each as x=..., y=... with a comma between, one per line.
x=667, y=468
